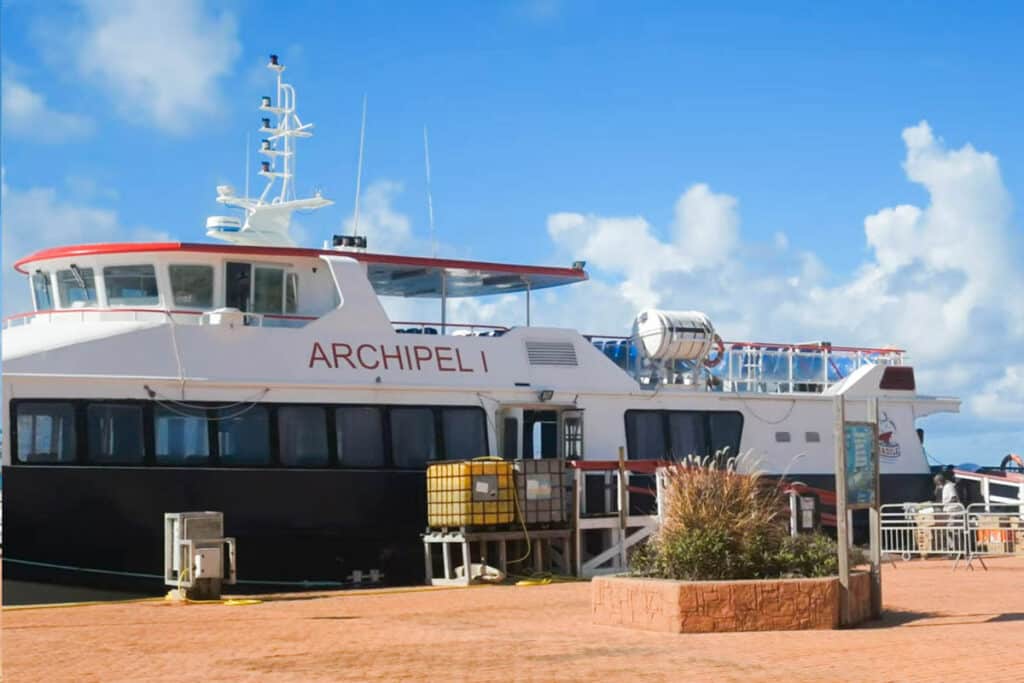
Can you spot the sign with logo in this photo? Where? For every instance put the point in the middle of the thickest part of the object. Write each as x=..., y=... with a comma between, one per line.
x=888, y=446
x=861, y=439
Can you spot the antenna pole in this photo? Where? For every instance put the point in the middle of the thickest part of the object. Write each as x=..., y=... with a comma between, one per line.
x=359, y=170
x=430, y=198
x=247, y=136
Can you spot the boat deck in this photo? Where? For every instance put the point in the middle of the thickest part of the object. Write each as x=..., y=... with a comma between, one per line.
x=939, y=624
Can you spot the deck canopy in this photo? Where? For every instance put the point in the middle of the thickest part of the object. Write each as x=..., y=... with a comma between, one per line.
x=390, y=275
x=435, y=278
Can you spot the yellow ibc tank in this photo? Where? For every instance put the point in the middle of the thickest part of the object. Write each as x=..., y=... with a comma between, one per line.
x=470, y=493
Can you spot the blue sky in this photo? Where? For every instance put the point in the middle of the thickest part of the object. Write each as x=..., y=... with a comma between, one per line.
x=744, y=148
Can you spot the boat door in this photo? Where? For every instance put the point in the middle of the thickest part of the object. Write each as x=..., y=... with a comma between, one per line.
x=540, y=432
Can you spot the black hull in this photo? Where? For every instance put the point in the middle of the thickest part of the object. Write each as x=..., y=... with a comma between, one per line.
x=294, y=528
x=103, y=527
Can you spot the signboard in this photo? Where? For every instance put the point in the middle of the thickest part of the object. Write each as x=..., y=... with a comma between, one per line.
x=861, y=442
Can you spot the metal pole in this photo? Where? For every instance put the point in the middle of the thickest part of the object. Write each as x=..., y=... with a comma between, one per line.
x=875, y=521
x=839, y=410
x=527, y=303
x=444, y=301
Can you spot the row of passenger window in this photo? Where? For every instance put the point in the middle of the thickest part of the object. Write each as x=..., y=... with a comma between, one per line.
x=255, y=289
x=676, y=434
x=252, y=435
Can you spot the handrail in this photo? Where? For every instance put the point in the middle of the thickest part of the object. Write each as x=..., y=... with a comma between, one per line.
x=437, y=324
x=87, y=310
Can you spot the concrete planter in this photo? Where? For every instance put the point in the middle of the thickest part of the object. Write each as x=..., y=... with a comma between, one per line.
x=720, y=606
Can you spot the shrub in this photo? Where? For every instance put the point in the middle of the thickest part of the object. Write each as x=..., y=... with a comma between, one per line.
x=719, y=524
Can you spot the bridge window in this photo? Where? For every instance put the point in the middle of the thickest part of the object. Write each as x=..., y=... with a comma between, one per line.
x=465, y=433
x=243, y=435
x=45, y=432
x=181, y=436
x=413, y=439
x=268, y=291
x=291, y=293
x=115, y=433
x=360, y=435
x=303, y=436
x=76, y=287
x=192, y=286
x=130, y=285
x=42, y=291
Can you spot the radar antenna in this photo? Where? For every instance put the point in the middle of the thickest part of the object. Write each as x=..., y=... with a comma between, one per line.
x=268, y=217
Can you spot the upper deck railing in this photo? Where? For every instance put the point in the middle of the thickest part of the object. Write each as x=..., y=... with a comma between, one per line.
x=763, y=367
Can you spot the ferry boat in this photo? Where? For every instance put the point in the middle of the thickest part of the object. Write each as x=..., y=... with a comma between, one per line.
x=265, y=380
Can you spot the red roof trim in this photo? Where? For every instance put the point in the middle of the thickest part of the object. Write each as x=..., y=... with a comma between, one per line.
x=151, y=247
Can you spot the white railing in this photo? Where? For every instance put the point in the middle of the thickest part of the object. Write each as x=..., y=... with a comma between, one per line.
x=454, y=329
x=126, y=314
x=976, y=532
x=764, y=367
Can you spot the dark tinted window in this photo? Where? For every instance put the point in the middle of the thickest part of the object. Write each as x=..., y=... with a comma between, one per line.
x=130, y=285
x=243, y=435
x=726, y=430
x=465, y=433
x=360, y=432
x=192, y=286
x=686, y=434
x=510, y=439
x=181, y=436
x=645, y=435
x=46, y=432
x=413, y=441
x=302, y=433
x=115, y=433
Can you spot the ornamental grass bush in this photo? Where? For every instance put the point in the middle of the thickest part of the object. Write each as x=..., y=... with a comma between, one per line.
x=720, y=524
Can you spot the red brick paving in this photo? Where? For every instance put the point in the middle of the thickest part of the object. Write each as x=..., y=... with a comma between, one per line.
x=939, y=625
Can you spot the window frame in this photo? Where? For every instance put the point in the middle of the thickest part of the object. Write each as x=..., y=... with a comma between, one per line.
x=90, y=303
x=84, y=455
x=76, y=436
x=173, y=302
x=208, y=410
x=157, y=300
x=666, y=431
x=43, y=276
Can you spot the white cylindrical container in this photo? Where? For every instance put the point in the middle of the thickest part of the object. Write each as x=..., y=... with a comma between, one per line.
x=674, y=335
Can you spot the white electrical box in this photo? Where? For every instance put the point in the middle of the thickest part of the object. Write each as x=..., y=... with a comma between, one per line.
x=209, y=563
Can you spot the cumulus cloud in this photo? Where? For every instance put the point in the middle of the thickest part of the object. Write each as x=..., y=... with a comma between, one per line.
x=26, y=114
x=936, y=281
x=159, y=62
x=387, y=229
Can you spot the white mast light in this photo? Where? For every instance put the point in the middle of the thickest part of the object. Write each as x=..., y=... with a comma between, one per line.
x=268, y=217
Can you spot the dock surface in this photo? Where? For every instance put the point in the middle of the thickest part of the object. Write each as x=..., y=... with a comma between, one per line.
x=939, y=624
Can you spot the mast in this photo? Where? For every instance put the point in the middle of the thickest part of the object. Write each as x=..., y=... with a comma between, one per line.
x=268, y=217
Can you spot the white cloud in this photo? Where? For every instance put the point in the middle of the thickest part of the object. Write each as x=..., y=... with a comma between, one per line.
x=26, y=114
x=386, y=229
x=937, y=281
x=159, y=62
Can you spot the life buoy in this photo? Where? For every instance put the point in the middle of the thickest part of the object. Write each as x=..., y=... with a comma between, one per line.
x=1012, y=458
x=719, y=353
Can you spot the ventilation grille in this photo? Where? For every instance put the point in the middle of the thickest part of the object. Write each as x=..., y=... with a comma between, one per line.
x=551, y=353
